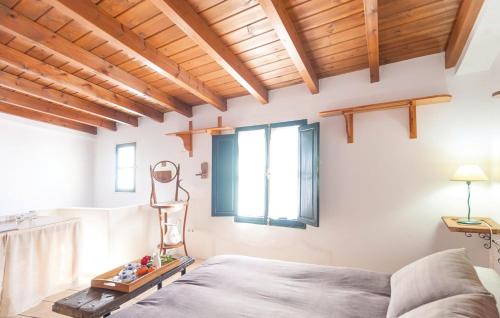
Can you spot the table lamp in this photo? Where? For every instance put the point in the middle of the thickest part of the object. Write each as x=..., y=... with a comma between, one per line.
x=469, y=173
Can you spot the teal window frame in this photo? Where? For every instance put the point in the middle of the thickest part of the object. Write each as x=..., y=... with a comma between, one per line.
x=265, y=220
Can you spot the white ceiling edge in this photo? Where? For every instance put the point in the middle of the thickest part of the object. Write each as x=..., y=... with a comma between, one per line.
x=483, y=45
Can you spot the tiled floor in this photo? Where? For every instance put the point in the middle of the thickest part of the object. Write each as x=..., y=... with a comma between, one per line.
x=44, y=309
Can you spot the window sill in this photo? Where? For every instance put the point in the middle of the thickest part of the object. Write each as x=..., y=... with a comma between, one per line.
x=287, y=223
x=272, y=222
x=253, y=220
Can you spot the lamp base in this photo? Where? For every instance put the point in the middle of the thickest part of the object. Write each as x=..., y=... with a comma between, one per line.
x=469, y=221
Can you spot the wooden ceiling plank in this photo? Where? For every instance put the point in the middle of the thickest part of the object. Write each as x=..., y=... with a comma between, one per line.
x=45, y=118
x=183, y=15
x=396, y=48
x=343, y=64
x=429, y=33
x=401, y=56
x=427, y=10
x=342, y=70
x=13, y=22
x=328, y=16
x=371, y=23
x=336, y=38
x=26, y=101
x=113, y=31
x=283, y=25
x=28, y=87
x=466, y=17
x=35, y=67
x=425, y=26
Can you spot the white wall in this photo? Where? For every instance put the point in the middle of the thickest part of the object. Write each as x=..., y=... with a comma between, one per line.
x=381, y=197
x=42, y=166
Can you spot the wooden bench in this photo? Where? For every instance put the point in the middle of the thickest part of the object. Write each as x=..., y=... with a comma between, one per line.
x=96, y=302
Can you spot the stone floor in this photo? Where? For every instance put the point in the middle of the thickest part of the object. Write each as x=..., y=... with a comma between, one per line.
x=44, y=309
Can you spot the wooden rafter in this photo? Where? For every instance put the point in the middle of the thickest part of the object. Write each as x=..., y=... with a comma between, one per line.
x=184, y=16
x=371, y=25
x=466, y=17
x=110, y=29
x=42, y=106
x=41, y=117
x=36, y=67
x=411, y=103
x=25, y=86
x=19, y=25
x=283, y=25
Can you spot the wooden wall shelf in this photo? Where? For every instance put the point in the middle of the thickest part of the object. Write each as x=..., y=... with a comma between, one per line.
x=484, y=231
x=187, y=135
x=411, y=103
x=454, y=226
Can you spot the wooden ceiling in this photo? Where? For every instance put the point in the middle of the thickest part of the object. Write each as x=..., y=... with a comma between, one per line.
x=94, y=63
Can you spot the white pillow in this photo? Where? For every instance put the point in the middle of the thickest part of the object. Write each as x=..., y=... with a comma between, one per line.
x=466, y=305
x=437, y=276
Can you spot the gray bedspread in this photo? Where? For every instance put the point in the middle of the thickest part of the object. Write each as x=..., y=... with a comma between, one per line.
x=237, y=286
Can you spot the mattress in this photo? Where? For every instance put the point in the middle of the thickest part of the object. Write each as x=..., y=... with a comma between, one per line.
x=238, y=286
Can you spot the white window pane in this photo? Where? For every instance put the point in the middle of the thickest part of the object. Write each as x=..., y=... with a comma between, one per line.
x=125, y=179
x=284, y=173
x=126, y=156
x=251, y=173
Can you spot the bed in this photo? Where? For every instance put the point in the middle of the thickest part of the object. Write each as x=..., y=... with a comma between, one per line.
x=441, y=285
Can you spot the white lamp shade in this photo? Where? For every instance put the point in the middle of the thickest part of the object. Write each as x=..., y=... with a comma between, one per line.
x=469, y=173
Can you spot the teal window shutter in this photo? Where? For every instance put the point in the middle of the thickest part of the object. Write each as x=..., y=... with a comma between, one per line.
x=223, y=175
x=309, y=174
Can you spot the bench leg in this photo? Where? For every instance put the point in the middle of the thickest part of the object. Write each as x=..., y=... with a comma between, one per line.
x=183, y=272
x=160, y=285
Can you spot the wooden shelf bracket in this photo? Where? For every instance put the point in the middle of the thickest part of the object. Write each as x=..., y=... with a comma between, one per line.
x=187, y=139
x=187, y=135
x=412, y=110
x=349, y=122
x=411, y=103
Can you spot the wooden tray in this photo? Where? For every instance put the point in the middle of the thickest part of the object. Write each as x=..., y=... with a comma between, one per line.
x=105, y=280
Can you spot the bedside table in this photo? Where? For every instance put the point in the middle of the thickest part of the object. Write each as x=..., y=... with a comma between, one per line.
x=454, y=226
x=485, y=230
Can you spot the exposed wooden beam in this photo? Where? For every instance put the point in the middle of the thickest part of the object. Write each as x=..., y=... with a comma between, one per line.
x=110, y=29
x=25, y=86
x=42, y=106
x=466, y=17
x=19, y=25
x=371, y=25
x=41, y=117
x=283, y=25
x=36, y=67
x=184, y=16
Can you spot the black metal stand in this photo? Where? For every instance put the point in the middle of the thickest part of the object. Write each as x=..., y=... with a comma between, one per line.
x=489, y=242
